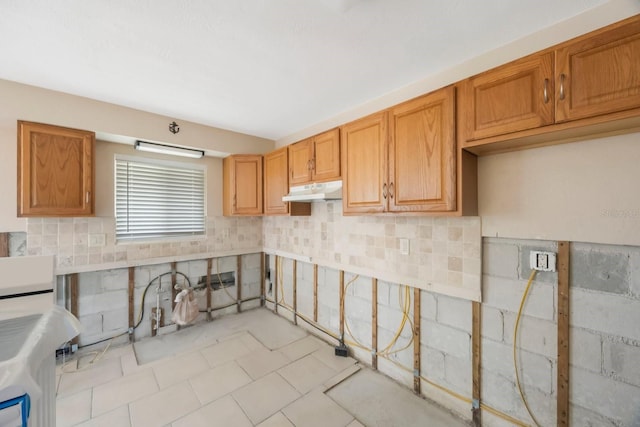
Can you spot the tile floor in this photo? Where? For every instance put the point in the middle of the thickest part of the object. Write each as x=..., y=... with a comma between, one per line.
x=250, y=369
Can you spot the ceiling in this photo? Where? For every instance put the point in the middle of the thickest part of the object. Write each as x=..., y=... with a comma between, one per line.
x=268, y=68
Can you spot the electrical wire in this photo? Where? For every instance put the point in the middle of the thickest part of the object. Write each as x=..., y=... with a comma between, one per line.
x=515, y=339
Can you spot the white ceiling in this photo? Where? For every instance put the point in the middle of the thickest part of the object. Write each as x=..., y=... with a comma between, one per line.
x=263, y=67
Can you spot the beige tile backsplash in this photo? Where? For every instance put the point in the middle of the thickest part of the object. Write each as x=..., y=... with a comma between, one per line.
x=444, y=252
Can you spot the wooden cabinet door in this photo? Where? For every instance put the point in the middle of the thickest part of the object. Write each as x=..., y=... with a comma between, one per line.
x=55, y=171
x=599, y=74
x=364, y=162
x=325, y=163
x=276, y=184
x=300, y=155
x=242, y=186
x=422, y=154
x=514, y=97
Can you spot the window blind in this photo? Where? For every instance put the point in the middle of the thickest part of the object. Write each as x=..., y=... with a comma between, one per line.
x=157, y=199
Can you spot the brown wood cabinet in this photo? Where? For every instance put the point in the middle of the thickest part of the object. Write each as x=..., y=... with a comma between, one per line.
x=586, y=86
x=316, y=159
x=242, y=185
x=55, y=171
x=510, y=98
x=402, y=159
x=276, y=185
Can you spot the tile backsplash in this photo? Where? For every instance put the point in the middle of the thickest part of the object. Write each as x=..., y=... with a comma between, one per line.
x=83, y=242
x=444, y=252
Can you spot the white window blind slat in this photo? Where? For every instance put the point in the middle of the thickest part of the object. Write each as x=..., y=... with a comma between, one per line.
x=156, y=200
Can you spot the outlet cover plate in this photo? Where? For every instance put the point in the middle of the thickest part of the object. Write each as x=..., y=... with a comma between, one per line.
x=542, y=261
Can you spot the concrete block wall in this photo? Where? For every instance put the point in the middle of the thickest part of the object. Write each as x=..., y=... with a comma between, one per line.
x=103, y=300
x=604, y=333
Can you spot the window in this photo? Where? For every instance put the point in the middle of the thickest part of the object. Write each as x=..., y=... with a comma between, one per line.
x=158, y=199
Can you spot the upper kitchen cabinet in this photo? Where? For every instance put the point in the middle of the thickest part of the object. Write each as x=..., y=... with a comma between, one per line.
x=364, y=162
x=242, y=185
x=55, y=171
x=422, y=154
x=403, y=159
x=585, y=87
x=315, y=159
x=513, y=97
x=599, y=74
x=276, y=185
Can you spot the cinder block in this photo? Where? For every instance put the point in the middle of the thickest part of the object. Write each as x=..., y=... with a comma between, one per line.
x=622, y=361
x=634, y=272
x=113, y=280
x=431, y=363
x=428, y=305
x=102, y=302
x=535, y=370
x=612, y=399
x=458, y=374
x=586, y=349
x=197, y=268
x=391, y=319
x=447, y=339
x=384, y=290
x=499, y=392
x=492, y=324
x=358, y=308
x=251, y=261
x=454, y=312
x=580, y=416
x=612, y=314
x=600, y=268
x=361, y=288
x=500, y=259
x=534, y=335
x=361, y=331
x=506, y=294
x=115, y=320
x=89, y=283
x=91, y=324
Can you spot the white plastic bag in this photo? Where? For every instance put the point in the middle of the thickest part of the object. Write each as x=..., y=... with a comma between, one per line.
x=186, y=311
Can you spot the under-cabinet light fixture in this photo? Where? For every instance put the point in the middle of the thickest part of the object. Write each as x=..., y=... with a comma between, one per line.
x=152, y=147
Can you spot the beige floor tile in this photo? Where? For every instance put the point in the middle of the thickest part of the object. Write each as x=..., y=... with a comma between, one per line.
x=217, y=382
x=130, y=364
x=116, y=418
x=265, y=397
x=277, y=420
x=306, y=373
x=355, y=423
x=225, y=351
x=301, y=348
x=111, y=395
x=164, y=407
x=180, y=368
x=260, y=363
x=104, y=371
x=224, y=412
x=251, y=342
x=317, y=410
x=73, y=409
x=326, y=354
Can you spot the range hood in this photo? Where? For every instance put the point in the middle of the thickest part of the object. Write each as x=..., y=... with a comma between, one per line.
x=331, y=190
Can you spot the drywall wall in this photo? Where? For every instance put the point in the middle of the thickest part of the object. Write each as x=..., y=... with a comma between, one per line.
x=22, y=102
x=104, y=169
x=600, y=16
x=583, y=191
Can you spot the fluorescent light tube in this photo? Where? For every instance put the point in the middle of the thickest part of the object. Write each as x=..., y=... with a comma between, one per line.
x=152, y=147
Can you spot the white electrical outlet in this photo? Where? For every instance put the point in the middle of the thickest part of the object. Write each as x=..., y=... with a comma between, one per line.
x=404, y=246
x=542, y=261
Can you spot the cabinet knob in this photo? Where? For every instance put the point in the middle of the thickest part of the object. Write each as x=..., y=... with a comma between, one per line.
x=384, y=190
x=88, y=197
x=391, y=190
x=562, y=77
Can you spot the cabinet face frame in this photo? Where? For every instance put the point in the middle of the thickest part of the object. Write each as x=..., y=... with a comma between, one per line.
x=422, y=154
x=45, y=167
